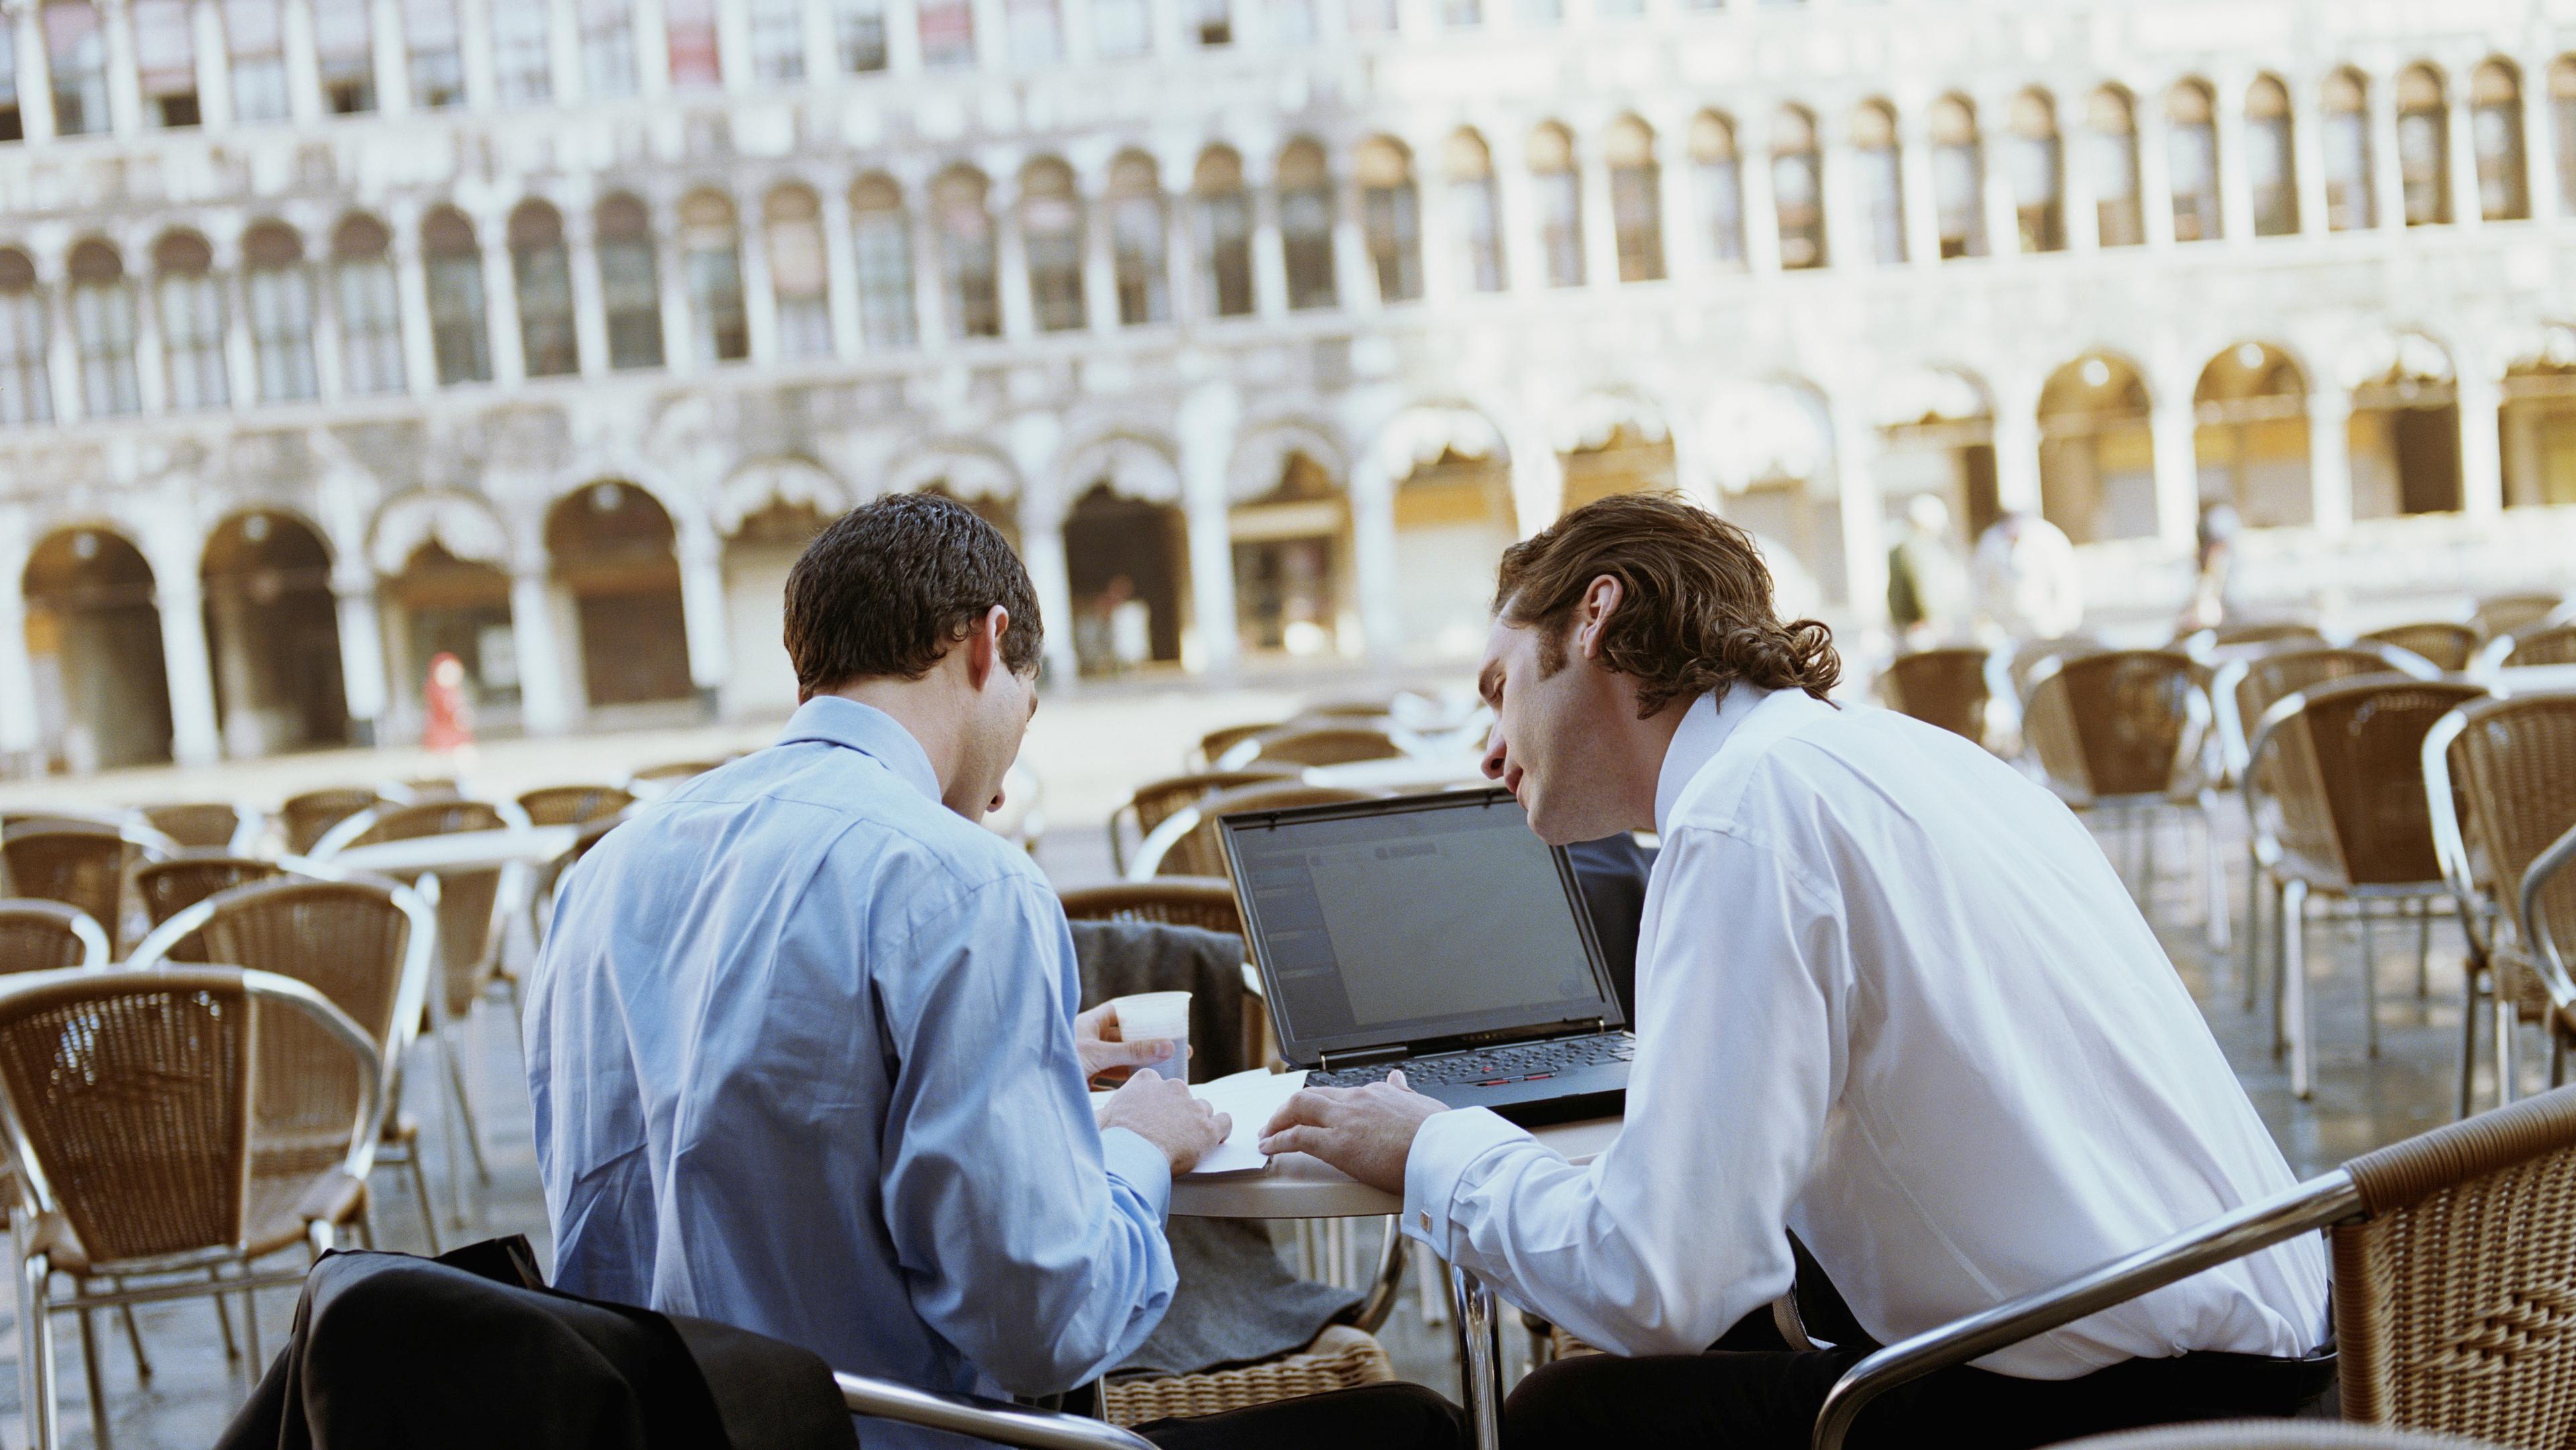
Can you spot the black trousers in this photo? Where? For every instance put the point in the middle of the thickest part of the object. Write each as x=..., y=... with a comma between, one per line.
x=1372, y=1417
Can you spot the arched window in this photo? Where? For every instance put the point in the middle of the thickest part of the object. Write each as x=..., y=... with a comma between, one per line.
x=542, y=270
x=966, y=255
x=1051, y=236
x=281, y=312
x=255, y=47
x=2424, y=147
x=76, y=57
x=630, y=283
x=1225, y=232
x=1474, y=211
x=458, y=331
x=371, y=353
x=165, y=61
x=2270, y=172
x=103, y=328
x=434, y=53
x=1391, y=219
x=2111, y=123
x=2191, y=161
x=2034, y=166
x=344, y=54
x=1636, y=200
x=608, y=69
x=859, y=32
x=522, y=54
x=1877, y=165
x=777, y=40
x=799, y=277
x=1958, y=179
x=26, y=388
x=881, y=238
x=13, y=121
x=1717, y=180
x=689, y=29
x=1556, y=189
x=1306, y=224
x=711, y=262
x=2350, y=204
x=1797, y=189
x=1139, y=242
x=947, y=32
x=191, y=305
x=2495, y=125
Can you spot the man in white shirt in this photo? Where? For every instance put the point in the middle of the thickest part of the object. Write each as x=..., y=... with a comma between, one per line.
x=1891, y=998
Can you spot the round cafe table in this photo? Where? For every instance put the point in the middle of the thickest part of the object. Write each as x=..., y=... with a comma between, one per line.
x=1296, y=1185
x=458, y=851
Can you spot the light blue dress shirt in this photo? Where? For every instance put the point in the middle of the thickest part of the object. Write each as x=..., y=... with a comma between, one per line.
x=801, y=1047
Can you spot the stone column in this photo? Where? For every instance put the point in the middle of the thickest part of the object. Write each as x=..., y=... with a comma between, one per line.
x=501, y=301
x=2003, y=215
x=1269, y=253
x=2481, y=399
x=1354, y=274
x=1761, y=206
x=241, y=353
x=124, y=83
x=2308, y=157
x=652, y=52
x=21, y=732
x=2075, y=151
x=545, y=701
x=733, y=46
x=2387, y=177
x=2017, y=483
x=474, y=40
x=822, y=47
x=35, y=70
x=2235, y=182
x=1042, y=533
x=589, y=307
x=929, y=277
x=759, y=296
x=1373, y=559
x=841, y=272
x=702, y=608
x=1600, y=228
x=2177, y=465
x=2330, y=460
x=151, y=366
x=1922, y=201
x=391, y=54
x=1191, y=301
x=563, y=53
x=2540, y=144
x=194, y=736
x=214, y=67
x=1099, y=258
x=2463, y=146
x=1011, y=261
x=2155, y=173
x=362, y=654
x=903, y=38
x=1207, y=422
x=1524, y=260
x=303, y=66
x=62, y=349
x=1856, y=450
x=679, y=328
x=329, y=373
x=411, y=287
x=1685, y=253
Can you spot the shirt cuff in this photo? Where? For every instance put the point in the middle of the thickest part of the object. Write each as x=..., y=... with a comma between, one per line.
x=1140, y=1165
x=1446, y=1146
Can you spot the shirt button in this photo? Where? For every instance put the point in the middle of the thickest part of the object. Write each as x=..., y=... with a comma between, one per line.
x=1422, y=1216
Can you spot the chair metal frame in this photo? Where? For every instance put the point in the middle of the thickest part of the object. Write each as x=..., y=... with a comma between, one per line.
x=1130, y=814
x=981, y=1419
x=1146, y=864
x=37, y=1302
x=95, y=952
x=2548, y=957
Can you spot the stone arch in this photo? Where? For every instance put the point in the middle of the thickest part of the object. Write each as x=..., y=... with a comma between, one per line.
x=273, y=634
x=94, y=636
x=1264, y=450
x=2538, y=419
x=2405, y=428
x=463, y=525
x=2097, y=449
x=1448, y=469
x=1134, y=465
x=444, y=559
x=970, y=469
x=1776, y=479
x=1936, y=425
x=1289, y=524
x=773, y=483
x=1613, y=440
x=612, y=545
x=2250, y=434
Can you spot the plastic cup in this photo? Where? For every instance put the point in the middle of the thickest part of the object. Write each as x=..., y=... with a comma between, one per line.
x=1148, y=1016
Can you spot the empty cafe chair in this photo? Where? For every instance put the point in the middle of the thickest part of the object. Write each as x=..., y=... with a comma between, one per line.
x=83, y=865
x=1213, y=745
x=172, y=886
x=206, y=825
x=572, y=805
x=1185, y=844
x=2448, y=646
x=48, y=936
x=1155, y=801
x=1317, y=745
x=1206, y=902
x=1944, y=687
x=306, y=818
x=2548, y=644
x=2505, y=614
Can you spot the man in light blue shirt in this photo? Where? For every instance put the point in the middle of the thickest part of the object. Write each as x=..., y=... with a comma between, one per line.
x=802, y=1042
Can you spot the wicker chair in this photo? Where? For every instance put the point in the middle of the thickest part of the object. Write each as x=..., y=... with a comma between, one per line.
x=1154, y=802
x=1185, y=844
x=1213, y=745
x=1205, y=902
x=2510, y=766
x=308, y=817
x=2340, y=768
x=2549, y=645
x=205, y=825
x=87, y=866
x=48, y=936
x=2512, y=613
x=1944, y=687
x=2238, y=636
x=1296, y=745
x=172, y=886
x=2447, y=646
x=137, y=1103
x=2547, y=913
x=572, y=805
x=2124, y=733
x=2029, y=655
x=2452, y=1285
x=366, y=944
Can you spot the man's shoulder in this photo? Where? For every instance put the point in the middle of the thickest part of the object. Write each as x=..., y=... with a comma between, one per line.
x=1810, y=749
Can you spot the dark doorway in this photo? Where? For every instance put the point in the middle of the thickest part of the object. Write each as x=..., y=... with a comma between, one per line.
x=1121, y=553
x=612, y=548
x=273, y=630
x=2427, y=444
x=94, y=635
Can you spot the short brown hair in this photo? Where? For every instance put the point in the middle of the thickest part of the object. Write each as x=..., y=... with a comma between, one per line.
x=891, y=586
x=1695, y=611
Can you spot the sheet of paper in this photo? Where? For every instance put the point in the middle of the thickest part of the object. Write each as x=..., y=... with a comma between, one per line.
x=1251, y=1098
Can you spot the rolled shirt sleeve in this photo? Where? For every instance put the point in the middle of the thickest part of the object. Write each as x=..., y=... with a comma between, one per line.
x=1029, y=1239
x=1675, y=1232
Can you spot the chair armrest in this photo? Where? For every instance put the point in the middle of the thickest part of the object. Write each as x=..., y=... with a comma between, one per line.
x=983, y=1419
x=2548, y=954
x=2312, y=1205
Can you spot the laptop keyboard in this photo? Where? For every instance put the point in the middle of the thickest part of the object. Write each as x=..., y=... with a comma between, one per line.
x=1493, y=1067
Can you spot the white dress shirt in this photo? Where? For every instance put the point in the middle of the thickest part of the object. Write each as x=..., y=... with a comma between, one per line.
x=1890, y=995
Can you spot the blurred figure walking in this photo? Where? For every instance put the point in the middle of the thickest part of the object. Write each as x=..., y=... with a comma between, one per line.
x=1927, y=585
x=2026, y=583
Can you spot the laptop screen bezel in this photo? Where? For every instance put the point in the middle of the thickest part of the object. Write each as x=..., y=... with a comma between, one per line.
x=1496, y=1025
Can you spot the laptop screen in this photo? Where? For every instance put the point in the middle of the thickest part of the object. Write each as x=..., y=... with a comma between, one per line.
x=1396, y=921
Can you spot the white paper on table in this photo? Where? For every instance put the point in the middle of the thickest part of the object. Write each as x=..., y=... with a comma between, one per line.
x=1252, y=1099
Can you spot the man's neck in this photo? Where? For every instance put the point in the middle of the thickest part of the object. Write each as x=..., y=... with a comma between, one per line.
x=924, y=708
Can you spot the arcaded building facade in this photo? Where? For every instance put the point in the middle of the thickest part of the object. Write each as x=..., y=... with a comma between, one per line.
x=337, y=334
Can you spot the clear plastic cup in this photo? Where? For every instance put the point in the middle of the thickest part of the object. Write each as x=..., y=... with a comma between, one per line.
x=1147, y=1016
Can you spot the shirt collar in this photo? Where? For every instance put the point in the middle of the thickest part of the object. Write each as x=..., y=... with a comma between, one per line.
x=868, y=730
x=1704, y=728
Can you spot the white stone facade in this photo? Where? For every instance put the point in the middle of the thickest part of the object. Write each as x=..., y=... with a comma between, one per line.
x=1282, y=316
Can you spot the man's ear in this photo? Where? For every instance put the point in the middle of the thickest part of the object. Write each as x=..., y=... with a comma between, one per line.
x=1592, y=617
x=984, y=646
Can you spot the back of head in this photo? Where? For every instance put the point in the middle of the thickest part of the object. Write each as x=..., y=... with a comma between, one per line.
x=890, y=586
x=1695, y=611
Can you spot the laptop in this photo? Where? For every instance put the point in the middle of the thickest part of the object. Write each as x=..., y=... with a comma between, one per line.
x=1432, y=933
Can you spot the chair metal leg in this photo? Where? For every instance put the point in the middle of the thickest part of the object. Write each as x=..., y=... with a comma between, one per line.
x=2423, y=949
x=2280, y=968
x=2469, y=977
x=98, y=1428
x=250, y=1331
x=2253, y=924
x=452, y=1053
x=2369, y=985
x=133, y=1336
x=2506, y=1015
x=420, y=1191
x=223, y=1316
x=2294, y=972
x=36, y=1353
x=2215, y=901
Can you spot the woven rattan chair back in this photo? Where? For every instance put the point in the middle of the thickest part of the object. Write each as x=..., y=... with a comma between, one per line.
x=571, y=805
x=2347, y=762
x=2553, y=645
x=1322, y=745
x=2445, y=645
x=1944, y=687
x=2455, y=1289
x=466, y=898
x=2548, y=910
x=48, y=936
x=2278, y=631
x=2029, y=655
x=307, y=818
x=1197, y=851
x=2276, y=677
x=2116, y=724
x=197, y=825
x=1214, y=744
x=170, y=887
x=1155, y=802
x=428, y=818
x=78, y=865
x=1206, y=902
x=2518, y=780
x=2513, y=613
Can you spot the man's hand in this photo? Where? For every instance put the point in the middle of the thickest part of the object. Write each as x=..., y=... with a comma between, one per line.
x=1161, y=1111
x=1104, y=1051
x=1367, y=1132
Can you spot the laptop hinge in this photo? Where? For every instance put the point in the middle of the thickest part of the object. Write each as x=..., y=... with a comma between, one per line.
x=1365, y=1057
